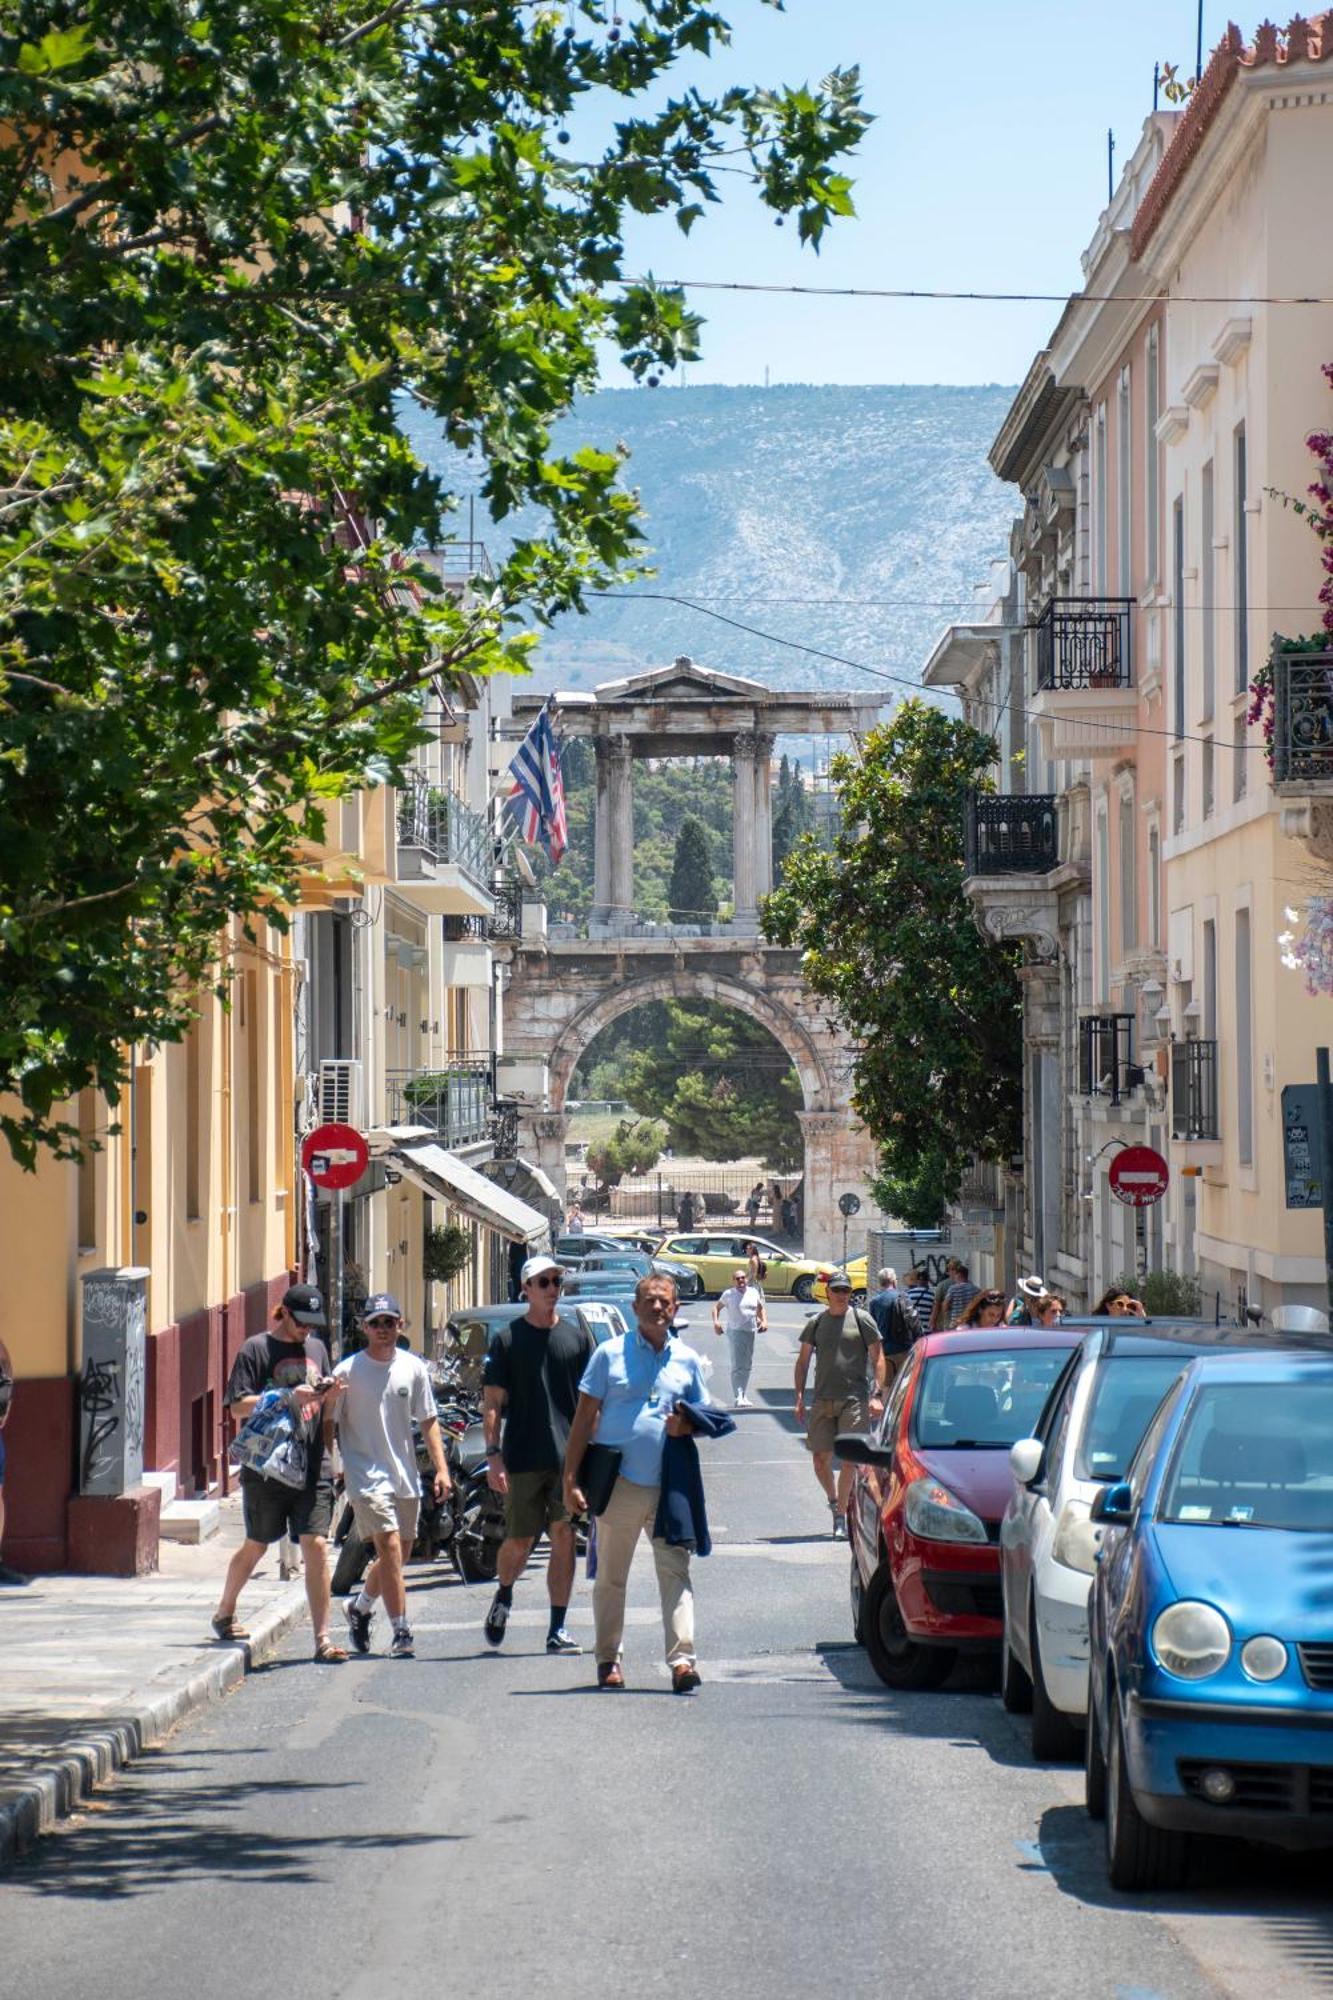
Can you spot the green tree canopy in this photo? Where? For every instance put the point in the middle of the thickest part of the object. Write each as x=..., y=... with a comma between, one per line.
x=723, y=1086
x=692, y=897
x=793, y=813
x=231, y=239
x=932, y=1008
x=633, y=1148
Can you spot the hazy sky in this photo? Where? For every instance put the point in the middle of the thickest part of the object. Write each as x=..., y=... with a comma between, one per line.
x=985, y=169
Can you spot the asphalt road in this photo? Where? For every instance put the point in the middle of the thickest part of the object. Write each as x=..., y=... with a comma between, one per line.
x=488, y=1824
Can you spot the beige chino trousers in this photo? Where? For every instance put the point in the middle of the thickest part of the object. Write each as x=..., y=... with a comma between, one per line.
x=631, y=1513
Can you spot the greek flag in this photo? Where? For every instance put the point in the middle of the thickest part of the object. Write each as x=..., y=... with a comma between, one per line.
x=536, y=804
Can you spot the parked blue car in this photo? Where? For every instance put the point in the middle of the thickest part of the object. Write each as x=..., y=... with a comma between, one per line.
x=1211, y=1620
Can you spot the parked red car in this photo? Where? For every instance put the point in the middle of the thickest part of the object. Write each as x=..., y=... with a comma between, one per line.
x=931, y=1485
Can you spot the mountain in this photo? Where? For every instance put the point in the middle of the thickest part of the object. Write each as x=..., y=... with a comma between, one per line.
x=855, y=520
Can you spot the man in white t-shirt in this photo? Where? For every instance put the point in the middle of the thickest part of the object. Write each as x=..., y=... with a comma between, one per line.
x=740, y=1313
x=381, y=1392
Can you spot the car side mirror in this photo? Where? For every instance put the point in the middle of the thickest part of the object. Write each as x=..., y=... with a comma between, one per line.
x=1114, y=1505
x=854, y=1448
x=1025, y=1460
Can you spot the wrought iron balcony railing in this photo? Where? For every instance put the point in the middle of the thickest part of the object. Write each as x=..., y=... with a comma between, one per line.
x=446, y=830
x=1106, y=1043
x=1011, y=836
x=1302, y=717
x=455, y=1098
x=1194, y=1090
x=1084, y=642
x=464, y=930
x=507, y=919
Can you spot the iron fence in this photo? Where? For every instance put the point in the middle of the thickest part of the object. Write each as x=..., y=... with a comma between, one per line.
x=1194, y=1090
x=445, y=829
x=1303, y=717
x=1084, y=642
x=506, y=921
x=1011, y=835
x=1105, y=1049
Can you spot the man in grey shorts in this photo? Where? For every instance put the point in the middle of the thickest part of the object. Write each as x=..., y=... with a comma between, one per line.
x=846, y=1348
x=381, y=1392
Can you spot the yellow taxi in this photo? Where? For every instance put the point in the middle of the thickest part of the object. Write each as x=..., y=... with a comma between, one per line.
x=856, y=1269
x=715, y=1257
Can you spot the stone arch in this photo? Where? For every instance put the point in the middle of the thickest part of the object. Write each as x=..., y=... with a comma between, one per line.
x=579, y=1032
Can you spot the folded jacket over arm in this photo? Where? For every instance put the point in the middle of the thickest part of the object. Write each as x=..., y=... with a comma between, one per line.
x=682, y=1517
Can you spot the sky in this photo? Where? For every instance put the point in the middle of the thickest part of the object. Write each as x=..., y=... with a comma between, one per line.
x=986, y=169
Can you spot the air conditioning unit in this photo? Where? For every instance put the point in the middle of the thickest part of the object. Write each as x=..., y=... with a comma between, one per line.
x=338, y=1096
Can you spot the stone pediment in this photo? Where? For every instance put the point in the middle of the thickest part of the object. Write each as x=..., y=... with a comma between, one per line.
x=683, y=680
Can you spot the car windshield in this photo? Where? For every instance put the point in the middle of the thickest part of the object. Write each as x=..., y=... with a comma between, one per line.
x=1255, y=1455
x=983, y=1401
x=1126, y=1391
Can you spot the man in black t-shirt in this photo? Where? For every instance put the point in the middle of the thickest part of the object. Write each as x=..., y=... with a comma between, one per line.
x=530, y=1386
x=295, y=1361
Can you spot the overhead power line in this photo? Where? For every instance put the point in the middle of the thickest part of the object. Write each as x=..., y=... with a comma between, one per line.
x=994, y=298
x=1115, y=732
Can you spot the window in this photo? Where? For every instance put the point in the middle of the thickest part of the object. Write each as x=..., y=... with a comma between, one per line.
x=253, y=1059
x=1099, y=503
x=1240, y=777
x=1209, y=779
x=1207, y=560
x=1154, y=888
x=1178, y=795
x=194, y=1120
x=1244, y=1044
x=1240, y=569
x=1151, y=412
x=282, y=1076
x=1210, y=980
x=1103, y=891
x=1123, y=491
x=1129, y=886
x=1178, y=600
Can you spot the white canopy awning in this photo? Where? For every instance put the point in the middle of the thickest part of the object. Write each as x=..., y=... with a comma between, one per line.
x=446, y=1177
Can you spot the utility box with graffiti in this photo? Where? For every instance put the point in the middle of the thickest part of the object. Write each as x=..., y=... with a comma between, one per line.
x=111, y=1381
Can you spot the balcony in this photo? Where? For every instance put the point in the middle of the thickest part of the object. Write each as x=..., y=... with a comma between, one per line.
x=1303, y=746
x=1105, y=1047
x=506, y=922
x=453, y=1100
x=1011, y=836
x=1085, y=700
x=1194, y=1091
x=446, y=852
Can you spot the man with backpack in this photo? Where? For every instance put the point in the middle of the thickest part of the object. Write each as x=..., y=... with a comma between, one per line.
x=848, y=1354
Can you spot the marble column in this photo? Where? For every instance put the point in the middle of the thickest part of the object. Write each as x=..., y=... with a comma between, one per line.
x=821, y=1224
x=601, y=833
x=743, y=810
x=763, y=815
x=620, y=803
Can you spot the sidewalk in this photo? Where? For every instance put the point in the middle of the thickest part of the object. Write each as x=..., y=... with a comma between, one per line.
x=94, y=1669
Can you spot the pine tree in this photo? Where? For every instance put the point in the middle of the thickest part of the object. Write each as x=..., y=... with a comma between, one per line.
x=692, y=898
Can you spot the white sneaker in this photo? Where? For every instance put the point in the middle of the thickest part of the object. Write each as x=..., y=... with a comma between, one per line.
x=743, y=1401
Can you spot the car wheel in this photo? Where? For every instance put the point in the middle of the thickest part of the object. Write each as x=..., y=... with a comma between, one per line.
x=1055, y=1738
x=898, y=1660
x=1138, y=1856
x=803, y=1291
x=858, y=1604
x=1015, y=1687
x=1094, y=1766
x=859, y=1298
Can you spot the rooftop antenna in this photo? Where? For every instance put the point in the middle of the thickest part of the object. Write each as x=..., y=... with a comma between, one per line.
x=1198, y=46
x=765, y=374
x=1156, y=83
x=1110, y=164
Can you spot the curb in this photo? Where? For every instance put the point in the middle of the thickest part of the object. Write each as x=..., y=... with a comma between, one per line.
x=60, y=1779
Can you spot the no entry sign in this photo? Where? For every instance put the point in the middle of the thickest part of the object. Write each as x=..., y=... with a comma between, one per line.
x=335, y=1156
x=1138, y=1176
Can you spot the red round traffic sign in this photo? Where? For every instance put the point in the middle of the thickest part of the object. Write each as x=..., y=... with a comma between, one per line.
x=335, y=1155
x=1138, y=1176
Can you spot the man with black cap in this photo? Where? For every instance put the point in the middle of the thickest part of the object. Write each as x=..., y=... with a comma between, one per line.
x=531, y=1389
x=292, y=1359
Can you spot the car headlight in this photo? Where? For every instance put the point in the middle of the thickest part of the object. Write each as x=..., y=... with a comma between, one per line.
x=937, y=1515
x=1264, y=1658
x=1192, y=1640
x=1077, y=1538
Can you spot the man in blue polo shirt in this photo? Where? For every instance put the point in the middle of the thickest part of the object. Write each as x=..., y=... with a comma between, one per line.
x=627, y=1397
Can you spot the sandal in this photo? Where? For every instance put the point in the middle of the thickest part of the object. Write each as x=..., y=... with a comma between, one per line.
x=329, y=1655
x=228, y=1627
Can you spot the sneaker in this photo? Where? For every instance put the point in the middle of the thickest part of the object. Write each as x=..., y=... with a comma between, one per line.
x=358, y=1627
x=496, y=1620
x=562, y=1641
x=839, y=1526
x=684, y=1677
x=404, y=1645
x=743, y=1401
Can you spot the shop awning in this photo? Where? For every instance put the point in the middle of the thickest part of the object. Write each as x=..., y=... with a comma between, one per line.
x=446, y=1177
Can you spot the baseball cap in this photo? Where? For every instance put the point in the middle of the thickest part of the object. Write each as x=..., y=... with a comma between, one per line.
x=381, y=1305
x=534, y=1267
x=838, y=1281
x=305, y=1303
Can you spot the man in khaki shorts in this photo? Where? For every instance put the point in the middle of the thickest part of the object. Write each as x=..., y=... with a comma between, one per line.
x=380, y=1393
x=530, y=1391
x=847, y=1351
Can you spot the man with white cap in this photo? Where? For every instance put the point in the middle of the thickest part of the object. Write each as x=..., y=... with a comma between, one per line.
x=530, y=1390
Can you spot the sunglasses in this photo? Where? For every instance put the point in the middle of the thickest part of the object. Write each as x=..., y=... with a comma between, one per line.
x=382, y=1319
x=548, y=1281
